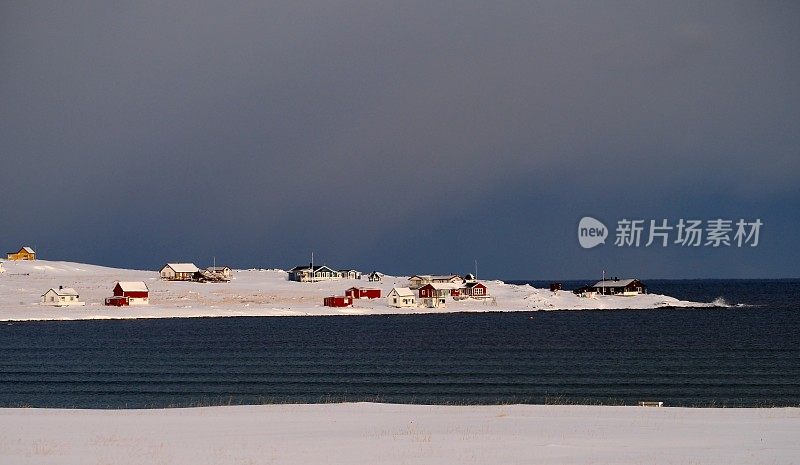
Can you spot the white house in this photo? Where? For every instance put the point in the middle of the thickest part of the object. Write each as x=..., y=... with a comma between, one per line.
x=178, y=271
x=350, y=274
x=62, y=297
x=401, y=297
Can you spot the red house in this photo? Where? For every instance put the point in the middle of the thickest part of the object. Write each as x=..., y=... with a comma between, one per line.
x=338, y=301
x=477, y=290
x=129, y=293
x=442, y=290
x=363, y=293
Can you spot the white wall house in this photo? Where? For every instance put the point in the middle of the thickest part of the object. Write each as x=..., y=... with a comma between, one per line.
x=401, y=297
x=62, y=297
x=178, y=271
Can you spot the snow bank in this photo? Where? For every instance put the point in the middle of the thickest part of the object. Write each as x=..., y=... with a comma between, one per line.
x=257, y=293
x=387, y=434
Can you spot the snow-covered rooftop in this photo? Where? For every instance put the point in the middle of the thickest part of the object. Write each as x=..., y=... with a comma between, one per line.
x=613, y=283
x=64, y=291
x=402, y=292
x=133, y=286
x=183, y=267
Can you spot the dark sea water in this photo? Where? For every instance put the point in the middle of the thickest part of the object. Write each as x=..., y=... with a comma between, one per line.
x=739, y=356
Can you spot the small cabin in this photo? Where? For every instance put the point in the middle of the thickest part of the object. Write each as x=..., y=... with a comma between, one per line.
x=555, y=287
x=338, y=301
x=401, y=297
x=25, y=253
x=363, y=293
x=129, y=293
x=476, y=290
x=374, y=277
x=62, y=297
x=178, y=271
x=623, y=287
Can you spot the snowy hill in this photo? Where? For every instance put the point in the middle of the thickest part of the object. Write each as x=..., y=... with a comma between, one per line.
x=257, y=293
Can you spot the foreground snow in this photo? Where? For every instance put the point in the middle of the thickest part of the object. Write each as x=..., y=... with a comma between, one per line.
x=256, y=293
x=381, y=433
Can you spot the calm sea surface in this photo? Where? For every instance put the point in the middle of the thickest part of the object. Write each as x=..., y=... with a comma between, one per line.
x=739, y=356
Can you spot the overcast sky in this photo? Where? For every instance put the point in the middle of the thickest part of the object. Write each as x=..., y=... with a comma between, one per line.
x=408, y=137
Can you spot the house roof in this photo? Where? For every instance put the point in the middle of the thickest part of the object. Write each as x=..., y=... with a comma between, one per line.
x=182, y=267
x=443, y=286
x=316, y=268
x=217, y=268
x=133, y=286
x=618, y=283
x=27, y=249
x=402, y=292
x=64, y=291
x=476, y=284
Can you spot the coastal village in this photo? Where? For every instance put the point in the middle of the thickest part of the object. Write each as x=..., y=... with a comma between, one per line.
x=35, y=288
x=422, y=290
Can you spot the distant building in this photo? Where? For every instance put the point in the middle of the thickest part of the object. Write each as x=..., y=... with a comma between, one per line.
x=401, y=297
x=338, y=301
x=363, y=293
x=616, y=286
x=435, y=294
x=476, y=290
x=554, y=287
x=62, y=297
x=419, y=280
x=213, y=274
x=129, y=293
x=311, y=274
x=25, y=253
x=350, y=274
x=2, y=270
x=178, y=271
x=374, y=277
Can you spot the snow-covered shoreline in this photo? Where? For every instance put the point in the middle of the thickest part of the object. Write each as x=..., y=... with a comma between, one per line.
x=388, y=433
x=260, y=293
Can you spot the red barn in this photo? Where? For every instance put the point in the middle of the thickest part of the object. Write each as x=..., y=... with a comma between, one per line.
x=129, y=293
x=338, y=301
x=363, y=293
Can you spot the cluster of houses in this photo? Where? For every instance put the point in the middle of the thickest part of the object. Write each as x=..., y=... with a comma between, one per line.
x=432, y=292
x=125, y=293
x=190, y=272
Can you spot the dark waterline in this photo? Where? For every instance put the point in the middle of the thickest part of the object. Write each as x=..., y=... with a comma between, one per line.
x=747, y=356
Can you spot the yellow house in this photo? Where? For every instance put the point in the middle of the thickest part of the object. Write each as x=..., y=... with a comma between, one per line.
x=25, y=253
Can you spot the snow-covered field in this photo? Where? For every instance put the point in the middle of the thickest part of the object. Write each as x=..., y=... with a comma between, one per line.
x=388, y=434
x=255, y=293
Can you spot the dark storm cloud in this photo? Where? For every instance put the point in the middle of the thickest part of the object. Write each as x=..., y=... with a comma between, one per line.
x=252, y=126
